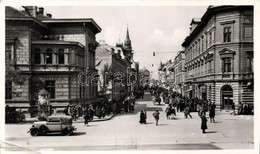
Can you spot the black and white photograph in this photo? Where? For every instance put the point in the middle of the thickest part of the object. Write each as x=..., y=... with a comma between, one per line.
x=129, y=77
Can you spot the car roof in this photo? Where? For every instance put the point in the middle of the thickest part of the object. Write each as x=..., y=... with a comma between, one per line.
x=59, y=117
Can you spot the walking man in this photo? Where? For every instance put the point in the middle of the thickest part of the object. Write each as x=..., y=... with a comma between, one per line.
x=212, y=112
x=203, y=123
x=187, y=112
x=156, y=116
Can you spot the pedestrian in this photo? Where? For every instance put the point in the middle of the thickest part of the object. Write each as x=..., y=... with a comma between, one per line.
x=86, y=117
x=212, y=112
x=203, y=123
x=233, y=109
x=173, y=113
x=187, y=112
x=168, y=111
x=142, y=118
x=156, y=117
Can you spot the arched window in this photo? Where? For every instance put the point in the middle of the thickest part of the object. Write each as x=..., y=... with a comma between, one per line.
x=37, y=56
x=48, y=56
x=61, y=56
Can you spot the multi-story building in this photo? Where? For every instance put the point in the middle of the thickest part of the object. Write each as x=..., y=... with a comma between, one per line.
x=111, y=65
x=219, y=56
x=144, y=76
x=51, y=53
x=179, y=72
x=166, y=74
x=117, y=61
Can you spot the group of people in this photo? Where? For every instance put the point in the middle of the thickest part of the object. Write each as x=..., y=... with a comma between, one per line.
x=101, y=108
x=178, y=103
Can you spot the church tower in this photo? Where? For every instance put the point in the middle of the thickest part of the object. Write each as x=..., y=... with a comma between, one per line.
x=128, y=46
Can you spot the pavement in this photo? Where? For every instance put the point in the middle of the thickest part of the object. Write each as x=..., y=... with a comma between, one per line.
x=123, y=132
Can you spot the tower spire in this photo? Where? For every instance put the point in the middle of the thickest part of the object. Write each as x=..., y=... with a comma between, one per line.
x=127, y=35
x=128, y=43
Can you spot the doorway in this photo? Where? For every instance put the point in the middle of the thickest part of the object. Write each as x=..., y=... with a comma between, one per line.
x=227, y=97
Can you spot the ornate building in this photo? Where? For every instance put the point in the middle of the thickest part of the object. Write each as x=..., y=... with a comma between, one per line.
x=117, y=60
x=51, y=53
x=219, y=56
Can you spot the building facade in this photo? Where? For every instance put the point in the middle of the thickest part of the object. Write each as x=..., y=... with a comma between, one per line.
x=113, y=70
x=219, y=56
x=179, y=72
x=50, y=53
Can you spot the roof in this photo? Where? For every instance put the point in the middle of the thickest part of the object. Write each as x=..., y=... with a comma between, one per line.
x=208, y=14
x=73, y=20
x=57, y=42
x=14, y=14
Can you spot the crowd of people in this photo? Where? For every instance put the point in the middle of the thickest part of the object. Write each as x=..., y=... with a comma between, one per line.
x=178, y=103
x=104, y=107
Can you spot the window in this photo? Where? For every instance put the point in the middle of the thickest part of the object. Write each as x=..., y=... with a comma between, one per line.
x=227, y=34
x=248, y=32
x=206, y=42
x=61, y=56
x=50, y=87
x=199, y=47
x=49, y=56
x=250, y=63
x=37, y=56
x=8, y=90
x=202, y=44
x=226, y=65
x=210, y=39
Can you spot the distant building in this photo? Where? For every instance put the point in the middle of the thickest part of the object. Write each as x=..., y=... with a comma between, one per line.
x=119, y=60
x=179, y=72
x=166, y=75
x=219, y=56
x=112, y=64
x=51, y=53
x=144, y=76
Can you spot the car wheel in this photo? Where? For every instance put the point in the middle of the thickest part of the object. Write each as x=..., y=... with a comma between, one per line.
x=43, y=129
x=34, y=132
x=66, y=132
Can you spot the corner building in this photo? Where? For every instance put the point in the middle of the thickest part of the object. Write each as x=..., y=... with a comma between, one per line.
x=219, y=56
x=50, y=53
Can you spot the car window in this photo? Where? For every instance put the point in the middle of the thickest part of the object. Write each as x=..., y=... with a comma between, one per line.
x=54, y=120
x=64, y=121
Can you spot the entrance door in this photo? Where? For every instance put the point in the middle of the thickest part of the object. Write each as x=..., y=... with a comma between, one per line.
x=227, y=97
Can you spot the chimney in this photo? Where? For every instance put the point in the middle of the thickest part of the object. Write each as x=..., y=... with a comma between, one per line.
x=41, y=10
x=49, y=15
x=32, y=10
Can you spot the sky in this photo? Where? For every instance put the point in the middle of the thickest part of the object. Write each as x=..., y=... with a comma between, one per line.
x=159, y=29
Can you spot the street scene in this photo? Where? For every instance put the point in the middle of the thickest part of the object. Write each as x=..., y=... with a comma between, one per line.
x=124, y=132
x=91, y=78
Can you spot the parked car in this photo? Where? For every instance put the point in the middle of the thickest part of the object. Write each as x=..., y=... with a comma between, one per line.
x=54, y=124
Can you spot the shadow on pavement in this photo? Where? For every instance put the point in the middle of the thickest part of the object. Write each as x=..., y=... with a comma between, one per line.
x=154, y=109
x=78, y=133
x=217, y=122
x=149, y=123
x=210, y=132
x=162, y=124
x=90, y=125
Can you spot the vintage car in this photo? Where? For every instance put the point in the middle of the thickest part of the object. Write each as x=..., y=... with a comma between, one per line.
x=54, y=124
